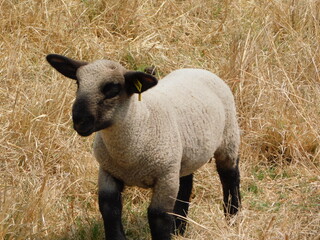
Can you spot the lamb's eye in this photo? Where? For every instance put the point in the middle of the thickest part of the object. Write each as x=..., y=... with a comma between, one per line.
x=110, y=90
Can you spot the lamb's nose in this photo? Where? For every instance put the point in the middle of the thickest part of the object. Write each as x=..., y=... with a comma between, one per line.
x=84, y=125
x=83, y=120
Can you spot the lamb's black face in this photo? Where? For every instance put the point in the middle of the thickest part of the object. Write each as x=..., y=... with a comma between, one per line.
x=100, y=91
x=89, y=115
x=85, y=122
x=83, y=119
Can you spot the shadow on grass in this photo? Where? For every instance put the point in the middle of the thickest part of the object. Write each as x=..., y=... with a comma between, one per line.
x=84, y=229
x=91, y=229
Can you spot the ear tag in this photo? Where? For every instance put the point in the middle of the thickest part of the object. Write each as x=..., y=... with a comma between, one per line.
x=138, y=86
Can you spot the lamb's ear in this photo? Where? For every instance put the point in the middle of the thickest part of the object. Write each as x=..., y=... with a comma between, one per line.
x=138, y=82
x=66, y=66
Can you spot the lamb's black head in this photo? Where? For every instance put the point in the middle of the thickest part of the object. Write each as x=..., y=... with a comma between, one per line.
x=103, y=88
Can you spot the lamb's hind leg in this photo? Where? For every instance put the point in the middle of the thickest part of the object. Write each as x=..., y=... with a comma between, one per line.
x=228, y=169
x=181, y=206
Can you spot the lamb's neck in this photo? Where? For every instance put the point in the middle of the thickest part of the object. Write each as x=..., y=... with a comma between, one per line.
x=129, y=124
x=133, y=115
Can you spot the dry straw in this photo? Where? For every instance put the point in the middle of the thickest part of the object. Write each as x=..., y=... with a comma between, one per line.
x=267, y=51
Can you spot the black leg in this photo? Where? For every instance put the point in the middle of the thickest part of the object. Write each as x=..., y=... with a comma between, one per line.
x=161, y=224
x=110, y=206
x=182, y=203
x=230, y=179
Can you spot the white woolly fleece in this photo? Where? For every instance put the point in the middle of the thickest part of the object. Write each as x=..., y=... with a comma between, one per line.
x=180, y=124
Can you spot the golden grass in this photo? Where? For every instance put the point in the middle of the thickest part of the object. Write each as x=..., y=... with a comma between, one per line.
x=267, y=51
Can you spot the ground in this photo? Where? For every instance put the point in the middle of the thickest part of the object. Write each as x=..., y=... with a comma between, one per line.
x=266, y=51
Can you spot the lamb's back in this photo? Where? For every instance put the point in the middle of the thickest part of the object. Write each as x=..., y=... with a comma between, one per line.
x=200, y=101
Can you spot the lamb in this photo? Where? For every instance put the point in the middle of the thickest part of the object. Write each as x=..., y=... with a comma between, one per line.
x=156, y=140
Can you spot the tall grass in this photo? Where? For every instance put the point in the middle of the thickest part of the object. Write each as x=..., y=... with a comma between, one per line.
x=267, y=51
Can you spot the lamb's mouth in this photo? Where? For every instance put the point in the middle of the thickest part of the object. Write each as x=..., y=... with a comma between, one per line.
x=88, y=131
x=84, y=133
x=84, y=130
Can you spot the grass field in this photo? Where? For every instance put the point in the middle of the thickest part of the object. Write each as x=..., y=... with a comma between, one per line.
x=267, y=51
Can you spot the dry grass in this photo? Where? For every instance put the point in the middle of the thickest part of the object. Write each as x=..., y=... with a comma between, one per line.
x=267, y=51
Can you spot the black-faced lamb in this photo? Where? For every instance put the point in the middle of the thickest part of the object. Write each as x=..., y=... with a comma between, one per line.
x=156, y=140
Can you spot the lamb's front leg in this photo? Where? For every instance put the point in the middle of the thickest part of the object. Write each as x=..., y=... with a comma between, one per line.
x=110, y=205
x=164, y=195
